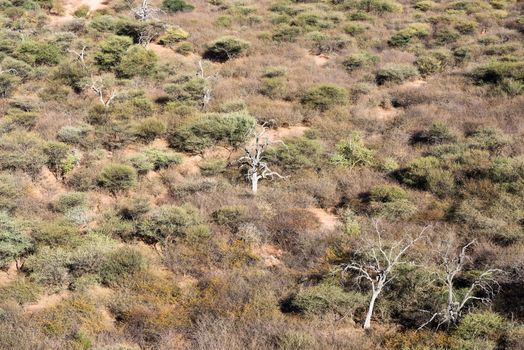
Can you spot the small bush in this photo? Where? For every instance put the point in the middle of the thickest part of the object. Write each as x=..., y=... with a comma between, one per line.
x=176, y=5
x=111, y=51
x=149, y=129
x=324, y=97
x=38, y=53
x=355, y=29
x=353, y=153
x=169, y=222
x=231, y=217
x=485, y=325
x=69, y=201
x=359, y=60
x=136, y=61
x=438, y=133
x=297, y=153
x=387, y=193
x=396, y=73
x=117, y=177
x=13, y=243
x=230, y=129
x=173, y=36
x=326, y=298
x=212, y=167
x=286, y=33
x=226, y=48
x=22, y=151
x=120, y=264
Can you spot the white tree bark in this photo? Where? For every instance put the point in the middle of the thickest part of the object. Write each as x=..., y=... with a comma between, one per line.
x=381, y=269
x=253, y=161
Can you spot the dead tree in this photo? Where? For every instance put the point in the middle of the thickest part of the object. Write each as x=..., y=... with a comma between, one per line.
x=105, y=94
x=145, y=11
x=380, y=261
x=452, y=264
x=208, y=80
x=253, y=161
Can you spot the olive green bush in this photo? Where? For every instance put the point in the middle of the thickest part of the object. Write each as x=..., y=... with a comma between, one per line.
x=395, y=73
x=13, y=243
x=112, y=50
x=117, y=178
x=22, y=151
x=229, y=129
x=136, y=61
x=226, y=48
x=176, y=5
x=359, y=60
x=352, y=152
x=324, y=97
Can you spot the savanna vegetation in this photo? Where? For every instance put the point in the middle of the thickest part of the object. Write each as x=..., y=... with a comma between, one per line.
x=262, y=174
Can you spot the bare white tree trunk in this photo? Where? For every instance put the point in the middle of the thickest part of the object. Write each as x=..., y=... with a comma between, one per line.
x=374, y=296
x=257, y=168
x=381, y=269
x=254, y=182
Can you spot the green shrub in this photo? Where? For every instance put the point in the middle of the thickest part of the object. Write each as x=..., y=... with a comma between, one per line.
x=359, y=60
x=294, y=340
x=13, y=243
x=22, y=151
x=169, y=221
x=424, y=5
x=327, y=298
x=70, y=200
x=355, y=29
x=8, y=84
x=212, y=167
x=428, y=65
x=446, y=36
x=38, y=53
x=324, y=97
x=136, y=61
x=387, y=193
x=172, y=36
x=176, y=5
x=490, y=139
x=121, y=264
x=404, y=36
x=297, y=153
x=395, y=73
x=117, y=177
x=103, y=23
x=9, y=192
x=154, y=159
x=438, y=133
x=60, y=158
x=226, y=48
x=17, y=118
x=112, y=50
x=353, y=153
x=496, y=71
x=185, y=48
x=149, y=129
x=81, y=11
x=229, y=216
x=426, y=173
x=21, y=291
x=485, y=325
x=59, y=233
x=286, y=33
x=230, y=129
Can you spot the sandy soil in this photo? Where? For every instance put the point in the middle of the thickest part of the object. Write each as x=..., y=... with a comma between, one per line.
x=71, y=5
x=328, y=221
x=8, y=275
x=47, y=301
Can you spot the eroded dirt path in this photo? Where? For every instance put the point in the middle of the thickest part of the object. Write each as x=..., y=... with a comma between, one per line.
x=71, y=5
